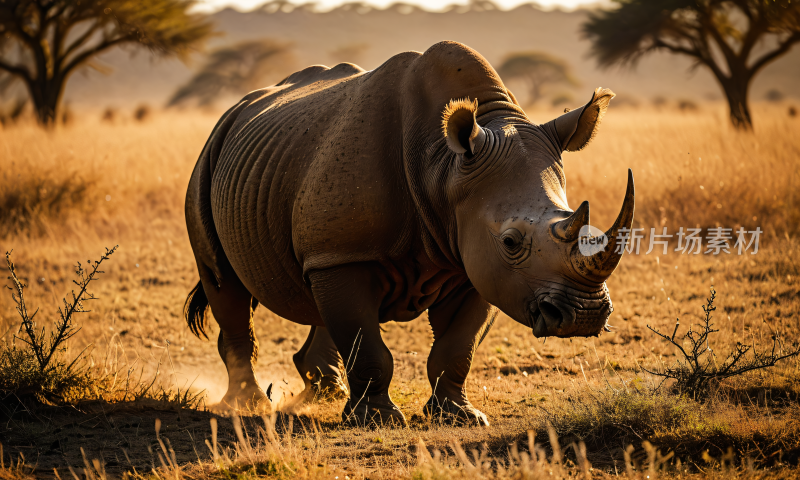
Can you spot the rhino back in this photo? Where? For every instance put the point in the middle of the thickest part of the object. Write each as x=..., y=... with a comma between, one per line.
x=310, y=176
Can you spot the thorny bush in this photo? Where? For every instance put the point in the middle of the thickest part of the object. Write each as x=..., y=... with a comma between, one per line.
x=42, y=366
x=699, y=369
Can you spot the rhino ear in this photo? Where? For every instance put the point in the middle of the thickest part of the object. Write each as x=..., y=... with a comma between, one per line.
x=576, y=128
x=460, y=127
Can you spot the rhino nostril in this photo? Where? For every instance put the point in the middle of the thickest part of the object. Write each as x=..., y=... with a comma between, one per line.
x=551, y=313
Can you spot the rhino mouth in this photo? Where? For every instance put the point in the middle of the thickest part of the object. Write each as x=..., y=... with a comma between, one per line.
x=566, y=312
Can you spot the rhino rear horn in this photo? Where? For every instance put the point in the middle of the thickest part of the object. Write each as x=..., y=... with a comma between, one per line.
x=576, y=128
x=460, y=127
x=567, y=230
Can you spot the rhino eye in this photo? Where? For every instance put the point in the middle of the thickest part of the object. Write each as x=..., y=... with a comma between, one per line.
x=513, y=247
x=511, y=238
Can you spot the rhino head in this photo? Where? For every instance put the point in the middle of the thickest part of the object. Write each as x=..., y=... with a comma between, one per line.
x=518, y=239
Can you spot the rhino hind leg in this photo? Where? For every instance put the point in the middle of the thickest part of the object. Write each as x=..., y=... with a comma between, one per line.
x=348, y=298
x=320, y=365
x=459, y=325
x=232, y=306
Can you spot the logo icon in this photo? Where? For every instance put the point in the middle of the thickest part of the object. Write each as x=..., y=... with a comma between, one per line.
x=591, y=240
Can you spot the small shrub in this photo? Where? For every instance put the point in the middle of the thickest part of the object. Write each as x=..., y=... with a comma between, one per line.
x=700, y=369
x=67, y=115
x=688, y=106
x=31, y=200
x=10, y=115
x=659, y=102
x=142, y=113
x=774, y=95
x=109, y=115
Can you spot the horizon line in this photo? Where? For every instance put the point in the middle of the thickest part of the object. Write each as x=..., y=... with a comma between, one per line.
x=403, y=7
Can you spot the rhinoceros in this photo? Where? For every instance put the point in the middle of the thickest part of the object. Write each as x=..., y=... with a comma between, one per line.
x=342, y=199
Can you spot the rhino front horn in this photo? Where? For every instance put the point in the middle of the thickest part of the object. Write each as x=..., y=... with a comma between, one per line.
x=567, y=230
x=601, y=265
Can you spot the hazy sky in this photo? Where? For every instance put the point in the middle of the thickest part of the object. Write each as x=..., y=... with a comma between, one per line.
x=244, y=5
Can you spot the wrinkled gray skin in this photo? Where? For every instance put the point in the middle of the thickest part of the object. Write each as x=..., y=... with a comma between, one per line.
x=342, y=199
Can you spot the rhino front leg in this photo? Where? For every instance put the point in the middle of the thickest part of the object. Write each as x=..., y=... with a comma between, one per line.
x=231, y=303
x=348, y=299
x=320, y=365
x=459, y=325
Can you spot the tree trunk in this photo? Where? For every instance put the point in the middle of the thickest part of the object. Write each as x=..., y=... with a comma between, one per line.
x=736, y=90
x=45, y=101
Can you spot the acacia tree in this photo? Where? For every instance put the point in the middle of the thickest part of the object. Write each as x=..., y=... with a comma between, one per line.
x=734, y=39
x=42, y=42
x=539, y=70
x=235, y=69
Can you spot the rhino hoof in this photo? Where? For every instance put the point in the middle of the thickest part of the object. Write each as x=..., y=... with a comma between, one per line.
x=323, y=387
x=374, y=413
x=449, y=412
x=252, y=399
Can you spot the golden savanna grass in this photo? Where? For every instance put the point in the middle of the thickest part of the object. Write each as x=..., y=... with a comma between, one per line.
x=67, y=194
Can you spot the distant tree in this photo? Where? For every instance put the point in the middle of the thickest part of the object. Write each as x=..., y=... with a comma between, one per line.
x=42, y=42
x=235, y=69
x=351, y=53
x=721, y=35
x=562, y=99
x=539, y=70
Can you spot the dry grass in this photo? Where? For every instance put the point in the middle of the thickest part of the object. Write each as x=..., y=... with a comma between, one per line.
x=589, y=389
x=97, y=174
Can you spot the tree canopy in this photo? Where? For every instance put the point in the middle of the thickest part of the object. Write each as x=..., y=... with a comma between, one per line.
x=734, y=39
x=540, y=70
x=235, y=69
x=42, y=42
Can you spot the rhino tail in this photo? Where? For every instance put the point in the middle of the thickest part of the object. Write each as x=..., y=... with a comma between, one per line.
x=195, y=310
